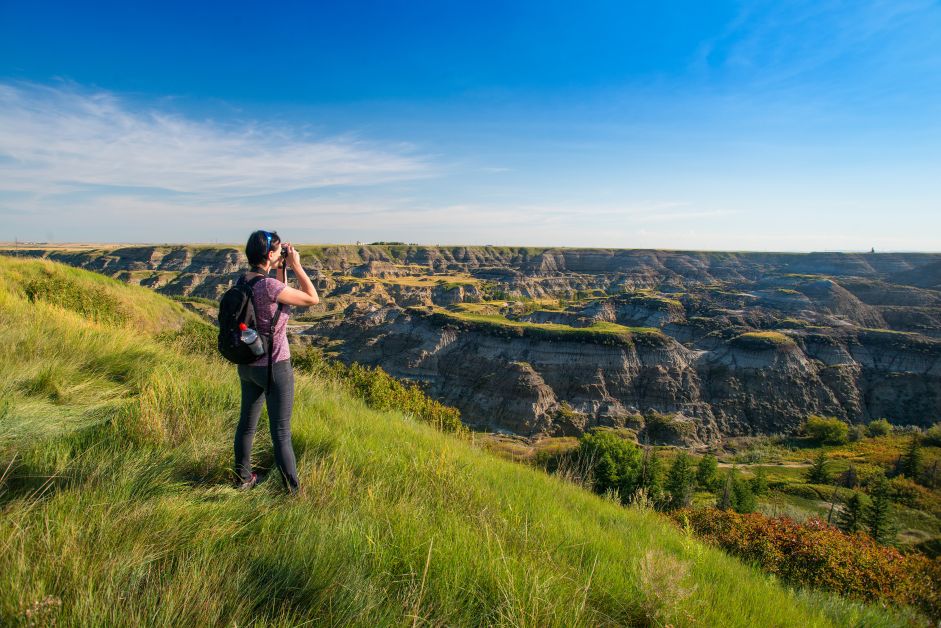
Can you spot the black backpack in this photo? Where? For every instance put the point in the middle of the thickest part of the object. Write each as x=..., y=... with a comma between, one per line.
x=236, y=307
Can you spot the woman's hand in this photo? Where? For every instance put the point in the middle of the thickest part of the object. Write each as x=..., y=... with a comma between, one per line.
x=293, y=258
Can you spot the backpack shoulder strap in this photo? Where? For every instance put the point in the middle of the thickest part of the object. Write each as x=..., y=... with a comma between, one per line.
x=251, y=282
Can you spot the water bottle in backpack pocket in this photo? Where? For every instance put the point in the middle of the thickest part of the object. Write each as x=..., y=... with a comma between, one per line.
x=251, y=338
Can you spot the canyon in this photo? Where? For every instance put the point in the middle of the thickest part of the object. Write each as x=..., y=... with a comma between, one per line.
x=682, y=347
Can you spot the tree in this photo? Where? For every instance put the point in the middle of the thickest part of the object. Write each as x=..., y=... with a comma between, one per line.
x=707, y=472
x=827, y=430
x=650, y=474
x=850, y=517
x=726, y=499
x=680, y=482
x=744, y=497
x=878, y=516
x=911, y=462
x=818, y=474
x=759, y=483
x=849, y=478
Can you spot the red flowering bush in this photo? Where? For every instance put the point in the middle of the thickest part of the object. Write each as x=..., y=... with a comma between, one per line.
x=818, y=555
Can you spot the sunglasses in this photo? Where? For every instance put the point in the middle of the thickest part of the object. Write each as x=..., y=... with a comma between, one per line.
x=268, y=245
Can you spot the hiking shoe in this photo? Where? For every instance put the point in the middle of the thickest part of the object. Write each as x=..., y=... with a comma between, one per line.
x=244, y=486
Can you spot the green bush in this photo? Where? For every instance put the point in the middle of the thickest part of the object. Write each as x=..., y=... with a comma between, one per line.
x=613, y=462
x=879, y=427
x=380, y=390
x=858, y=432
x=933, y=435
x=827, y=430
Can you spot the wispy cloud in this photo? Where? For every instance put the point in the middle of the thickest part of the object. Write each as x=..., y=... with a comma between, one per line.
x=63, y=139
x=777, y=46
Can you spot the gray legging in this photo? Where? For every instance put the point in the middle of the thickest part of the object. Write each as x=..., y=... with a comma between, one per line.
x=280, y=400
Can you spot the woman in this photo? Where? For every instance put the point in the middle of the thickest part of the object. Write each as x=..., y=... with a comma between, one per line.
x=264, y=254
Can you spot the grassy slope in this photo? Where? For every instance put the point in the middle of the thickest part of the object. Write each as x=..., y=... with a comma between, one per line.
x=115, y=449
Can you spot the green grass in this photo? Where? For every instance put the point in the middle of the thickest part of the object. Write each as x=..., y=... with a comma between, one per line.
x=116, y=506
x=763, y=340
x=602, y=332
x=654, y=297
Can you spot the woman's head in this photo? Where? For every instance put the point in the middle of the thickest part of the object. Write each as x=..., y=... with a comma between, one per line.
x=260, y=245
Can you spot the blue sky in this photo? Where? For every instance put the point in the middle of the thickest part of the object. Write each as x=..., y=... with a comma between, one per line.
x=722, y=125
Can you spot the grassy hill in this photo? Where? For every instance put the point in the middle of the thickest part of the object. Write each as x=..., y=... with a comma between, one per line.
x=115, y=449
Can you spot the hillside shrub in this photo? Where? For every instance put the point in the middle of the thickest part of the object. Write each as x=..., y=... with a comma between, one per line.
x=613, y=462
x=815, y=554
x=933, y=435
x=762, y=450
x=380, y=390
x=879, y=427
x=827, y=430
x=857, y=433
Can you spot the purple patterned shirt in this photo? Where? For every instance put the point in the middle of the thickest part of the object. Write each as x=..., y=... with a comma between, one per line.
x=264, y=300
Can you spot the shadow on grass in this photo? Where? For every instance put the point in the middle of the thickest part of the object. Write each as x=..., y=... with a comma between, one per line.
x=308, y=585
x=215, y=467
x=65, y=461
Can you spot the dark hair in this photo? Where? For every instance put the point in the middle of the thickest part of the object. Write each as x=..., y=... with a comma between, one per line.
x=257, y=247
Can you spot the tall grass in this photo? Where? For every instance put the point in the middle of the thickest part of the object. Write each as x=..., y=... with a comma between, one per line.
x=116, y=506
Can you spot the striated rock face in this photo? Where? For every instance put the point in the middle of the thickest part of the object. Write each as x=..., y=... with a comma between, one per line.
x=719, y=343
x=518, y=382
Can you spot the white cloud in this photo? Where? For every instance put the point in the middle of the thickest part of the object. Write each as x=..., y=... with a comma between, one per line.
x=65, y=139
